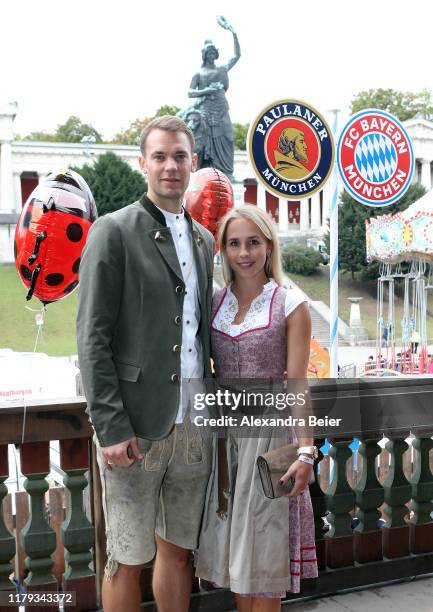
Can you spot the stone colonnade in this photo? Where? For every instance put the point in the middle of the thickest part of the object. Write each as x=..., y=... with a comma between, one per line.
x=313, y=211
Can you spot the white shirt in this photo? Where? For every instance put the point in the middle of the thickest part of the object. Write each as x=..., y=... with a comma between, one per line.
x=191, y=353
x=259, y=311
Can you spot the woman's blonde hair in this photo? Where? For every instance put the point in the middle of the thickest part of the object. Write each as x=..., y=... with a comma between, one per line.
x=267, y=226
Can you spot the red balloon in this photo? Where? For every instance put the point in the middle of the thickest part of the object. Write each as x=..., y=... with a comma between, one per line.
x=208, y=198
x=51, y=233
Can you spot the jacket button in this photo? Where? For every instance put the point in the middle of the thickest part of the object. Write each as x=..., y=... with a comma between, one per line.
x=174, y=377
x=176, y=348
x=179, y=289
x=178, y=320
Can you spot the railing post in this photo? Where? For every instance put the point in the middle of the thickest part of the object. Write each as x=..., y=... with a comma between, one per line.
x=339, y=501
x=369, y=497
x=7, y=540
x=76, y=531
x=38, y=538
x=318, y=499
x=421, y=523
x=395, y=532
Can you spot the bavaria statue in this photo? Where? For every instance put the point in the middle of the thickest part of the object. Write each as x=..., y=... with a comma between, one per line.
x=209, y=117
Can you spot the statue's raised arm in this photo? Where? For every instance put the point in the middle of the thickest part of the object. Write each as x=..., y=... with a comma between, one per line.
x=222, y=21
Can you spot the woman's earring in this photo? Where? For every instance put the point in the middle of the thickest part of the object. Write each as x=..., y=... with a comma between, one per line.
x=268, y=264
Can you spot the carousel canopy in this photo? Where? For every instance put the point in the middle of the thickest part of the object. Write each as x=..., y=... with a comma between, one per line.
x=405, y=236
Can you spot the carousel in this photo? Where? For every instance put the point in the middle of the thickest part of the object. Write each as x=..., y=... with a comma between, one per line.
x=403, y=244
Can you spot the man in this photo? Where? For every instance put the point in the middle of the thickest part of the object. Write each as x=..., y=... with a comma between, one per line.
x=293, y=152
x=143, y=327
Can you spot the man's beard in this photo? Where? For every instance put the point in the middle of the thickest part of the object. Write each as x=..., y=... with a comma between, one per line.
x=300, y=157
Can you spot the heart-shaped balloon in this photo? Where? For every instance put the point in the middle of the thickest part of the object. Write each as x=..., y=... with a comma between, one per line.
x=208, y=198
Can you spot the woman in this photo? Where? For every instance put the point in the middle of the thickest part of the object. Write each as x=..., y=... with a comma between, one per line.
x=259, y=330
x=208, y=86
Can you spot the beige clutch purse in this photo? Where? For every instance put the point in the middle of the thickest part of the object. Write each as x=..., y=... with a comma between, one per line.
x=272, y=466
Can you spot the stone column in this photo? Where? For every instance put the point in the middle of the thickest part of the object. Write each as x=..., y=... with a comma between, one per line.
x=327, y=196
x=315, y=212
x=238, y=193
x=7, y=200
x=283, y=216
x=261, y=197
x=426, y=174
x=18, y=193
x=304, y=222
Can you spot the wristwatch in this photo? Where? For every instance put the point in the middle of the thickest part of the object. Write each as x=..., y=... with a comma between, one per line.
x=311, y=451
x=306, y=459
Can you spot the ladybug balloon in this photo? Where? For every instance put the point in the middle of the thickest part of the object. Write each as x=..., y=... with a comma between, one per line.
x=208, y=198
x=51, y=234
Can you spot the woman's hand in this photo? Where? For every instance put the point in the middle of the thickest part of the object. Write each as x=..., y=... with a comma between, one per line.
x=301, y=472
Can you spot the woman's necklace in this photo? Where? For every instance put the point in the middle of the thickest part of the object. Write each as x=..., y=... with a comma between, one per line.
x=244, y=307
x=241, y=313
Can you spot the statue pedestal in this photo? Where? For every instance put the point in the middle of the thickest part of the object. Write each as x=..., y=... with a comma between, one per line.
x=355, y=333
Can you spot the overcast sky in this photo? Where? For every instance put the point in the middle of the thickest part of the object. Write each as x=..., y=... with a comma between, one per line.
x=111, y=62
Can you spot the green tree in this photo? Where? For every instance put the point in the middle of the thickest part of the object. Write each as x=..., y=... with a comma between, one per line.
x=240, y=131
x=40, y=136
x=300, y=259
x=113, y=182
x=166, y=109
x=131, y=135
x=73, y=130
x=403, y=104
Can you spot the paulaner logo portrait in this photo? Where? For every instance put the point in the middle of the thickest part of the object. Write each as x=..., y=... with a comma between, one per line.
x=291, y=149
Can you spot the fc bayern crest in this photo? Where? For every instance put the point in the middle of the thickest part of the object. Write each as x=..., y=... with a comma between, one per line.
x=291, y=149
x=375, y=158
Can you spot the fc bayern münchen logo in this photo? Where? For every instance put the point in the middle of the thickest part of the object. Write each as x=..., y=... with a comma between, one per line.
x=375, y=158
x=291, y=149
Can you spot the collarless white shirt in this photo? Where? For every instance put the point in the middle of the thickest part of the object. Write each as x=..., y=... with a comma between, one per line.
x=191, y=353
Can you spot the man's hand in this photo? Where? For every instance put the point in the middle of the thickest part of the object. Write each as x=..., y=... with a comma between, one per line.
x=301, y=472
x=123, y=454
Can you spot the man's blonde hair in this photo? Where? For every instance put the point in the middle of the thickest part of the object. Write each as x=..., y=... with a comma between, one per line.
x=267, y=226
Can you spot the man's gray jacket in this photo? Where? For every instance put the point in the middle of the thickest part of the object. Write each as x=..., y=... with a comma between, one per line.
x=129, y=322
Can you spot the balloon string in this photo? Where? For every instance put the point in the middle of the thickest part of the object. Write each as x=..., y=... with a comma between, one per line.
x=37, y=338
x=38, y=310
x=43, y=309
